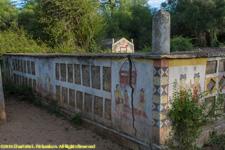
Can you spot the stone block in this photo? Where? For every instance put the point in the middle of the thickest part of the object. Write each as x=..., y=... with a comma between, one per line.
x=107, y=114
x=18, y=80
x=222, y=66
x=64, y=95
x=79, y=100
x=33, y=68
x=14, y=79
x=63, y=72
x=86, y=75
x=21, y=66
x=107, y=79
x=72, y=97
x=13, y=64
x=28, y=67
x=25, y=66
x=95, y=77
x=211, y=85
x=98, y=104
x=88, y=102
x=209, y=101
x=22, y=80
x=26, y=80
x=70, y=73
x=57, y=71
x=57, y=89
x=18, y=65
x=34, y=84
x=77, y=74
x=222, y=82
x=211, y=67
x=30, y=82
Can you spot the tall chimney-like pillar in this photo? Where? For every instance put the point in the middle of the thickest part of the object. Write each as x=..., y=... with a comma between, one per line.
x=161, y=33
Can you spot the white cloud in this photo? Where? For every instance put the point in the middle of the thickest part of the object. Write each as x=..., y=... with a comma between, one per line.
x=155, y=3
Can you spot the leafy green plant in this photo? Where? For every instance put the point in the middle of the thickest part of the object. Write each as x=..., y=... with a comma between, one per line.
x=77, y=119
x=216, y=141
x=22, y=92
x=189, y=114
x=146, y=49
x=18, y=41
x=181, y=44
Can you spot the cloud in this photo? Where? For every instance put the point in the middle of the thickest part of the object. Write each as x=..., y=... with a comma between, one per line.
x=155, y=3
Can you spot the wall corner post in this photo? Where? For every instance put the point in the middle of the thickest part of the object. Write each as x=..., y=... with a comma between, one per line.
x=161, y=33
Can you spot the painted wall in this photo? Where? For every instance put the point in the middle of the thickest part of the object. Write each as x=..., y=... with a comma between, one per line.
x=128, y=94
x=2, y=102
x=99, y=89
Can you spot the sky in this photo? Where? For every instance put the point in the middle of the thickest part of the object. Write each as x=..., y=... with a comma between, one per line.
x=153, y=3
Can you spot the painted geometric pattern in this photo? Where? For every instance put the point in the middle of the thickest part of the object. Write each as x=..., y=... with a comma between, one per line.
x=160, y=91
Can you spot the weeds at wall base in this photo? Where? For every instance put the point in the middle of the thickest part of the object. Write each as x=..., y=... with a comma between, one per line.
x=216, y=141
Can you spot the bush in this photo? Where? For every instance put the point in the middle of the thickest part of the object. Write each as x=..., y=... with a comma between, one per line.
x=18, y=41
x=216, y=141
x=189, y=114
x=181, y=44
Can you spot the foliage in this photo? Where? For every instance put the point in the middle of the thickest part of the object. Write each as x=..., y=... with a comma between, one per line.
x=146, y=49
x=202, y=20
x=216, y=141
x=71, y=25
x=29, y=17
x=181, y=44
x=189, y=114
x=18, y=41
x=77, y=119
x=8, y=15
x=22, y=92
x=130, y=20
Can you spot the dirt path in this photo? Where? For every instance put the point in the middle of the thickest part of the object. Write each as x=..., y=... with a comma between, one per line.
x=27, y=124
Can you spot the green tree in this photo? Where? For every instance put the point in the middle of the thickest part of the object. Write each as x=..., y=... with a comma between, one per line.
x=201, y=20
x=8, y=15
x=72, y=25
x=130, y=19
x=29, y=19
x=18, y=41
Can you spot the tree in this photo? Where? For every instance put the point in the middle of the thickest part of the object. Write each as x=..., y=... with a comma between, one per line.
x=73, y=25
x=201, y=20
x=129, y=19
x=8, y=15
x=29, y=19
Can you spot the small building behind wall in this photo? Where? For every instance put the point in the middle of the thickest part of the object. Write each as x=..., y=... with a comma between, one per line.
x=123, y=46
x=117, y=45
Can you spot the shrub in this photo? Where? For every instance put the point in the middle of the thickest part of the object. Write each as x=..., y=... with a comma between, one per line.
x=18, y=41
x=188, y=115
x=181, y=44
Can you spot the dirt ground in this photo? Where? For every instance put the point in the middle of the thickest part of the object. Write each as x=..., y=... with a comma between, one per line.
x=27, y=124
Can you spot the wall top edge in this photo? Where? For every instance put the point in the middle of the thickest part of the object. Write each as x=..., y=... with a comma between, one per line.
x=173, y=55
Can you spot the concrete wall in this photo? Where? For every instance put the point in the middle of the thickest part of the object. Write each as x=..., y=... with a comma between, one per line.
x=128, y=93
x=2, y=102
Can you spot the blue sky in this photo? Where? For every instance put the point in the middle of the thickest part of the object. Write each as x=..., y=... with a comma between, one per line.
x=153, y=3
